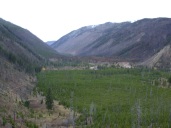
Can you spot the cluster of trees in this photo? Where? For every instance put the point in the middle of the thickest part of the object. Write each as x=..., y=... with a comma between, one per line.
x=129, y=93
x=20, y=62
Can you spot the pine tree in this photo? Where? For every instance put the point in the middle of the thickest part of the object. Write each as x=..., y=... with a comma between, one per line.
x=49, y=99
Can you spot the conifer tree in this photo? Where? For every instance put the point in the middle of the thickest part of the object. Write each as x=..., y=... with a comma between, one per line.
x=49, y=99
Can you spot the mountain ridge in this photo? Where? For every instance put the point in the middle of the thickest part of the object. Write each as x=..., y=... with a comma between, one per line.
x=136, y=41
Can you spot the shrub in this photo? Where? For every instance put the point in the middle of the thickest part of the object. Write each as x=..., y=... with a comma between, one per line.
x=41, y=101
x=27, y=104
x=169, y=79
x=12, y=58
x=4, y=121
x=49, y=99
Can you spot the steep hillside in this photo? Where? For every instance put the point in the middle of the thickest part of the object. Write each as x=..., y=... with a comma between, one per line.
x=161, y=60
x=26, y=39
x=22, y=48
x=136, y=41
x=22, y=54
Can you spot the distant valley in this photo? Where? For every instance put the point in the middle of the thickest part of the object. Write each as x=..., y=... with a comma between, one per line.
x=81, y=70
x=49, y=42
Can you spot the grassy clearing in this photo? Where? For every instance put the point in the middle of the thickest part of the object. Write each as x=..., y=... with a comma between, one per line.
x=112, y=97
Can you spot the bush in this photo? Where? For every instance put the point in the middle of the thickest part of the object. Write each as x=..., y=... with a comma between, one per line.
x=169, y=79
x=49, y=99
x=12, y=58
x=31, y=125
x=27, y=104
x=41, y=101
x=4, y=121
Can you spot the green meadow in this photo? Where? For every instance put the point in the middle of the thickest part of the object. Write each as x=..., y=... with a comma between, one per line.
x=112, y=97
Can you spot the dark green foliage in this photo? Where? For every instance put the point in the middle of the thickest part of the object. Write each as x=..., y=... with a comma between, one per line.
x=21, y=62
x=38, y=69
x=4, y=121
x=12, y=122
x=31, y=125
x=0, y=47
x=121, y=97
x=41, y=101
x=27, y=103
x=12, y=58
x=49, y=99
x=169, y=79
x=100, y=67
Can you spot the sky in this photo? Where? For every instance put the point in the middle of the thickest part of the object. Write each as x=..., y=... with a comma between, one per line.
x=51, y=19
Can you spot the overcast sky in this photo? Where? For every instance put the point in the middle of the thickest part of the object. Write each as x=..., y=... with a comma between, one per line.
x=51, y=19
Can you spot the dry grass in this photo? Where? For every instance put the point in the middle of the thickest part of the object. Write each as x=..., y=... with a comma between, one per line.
x=58, y=117
x=37, y=113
